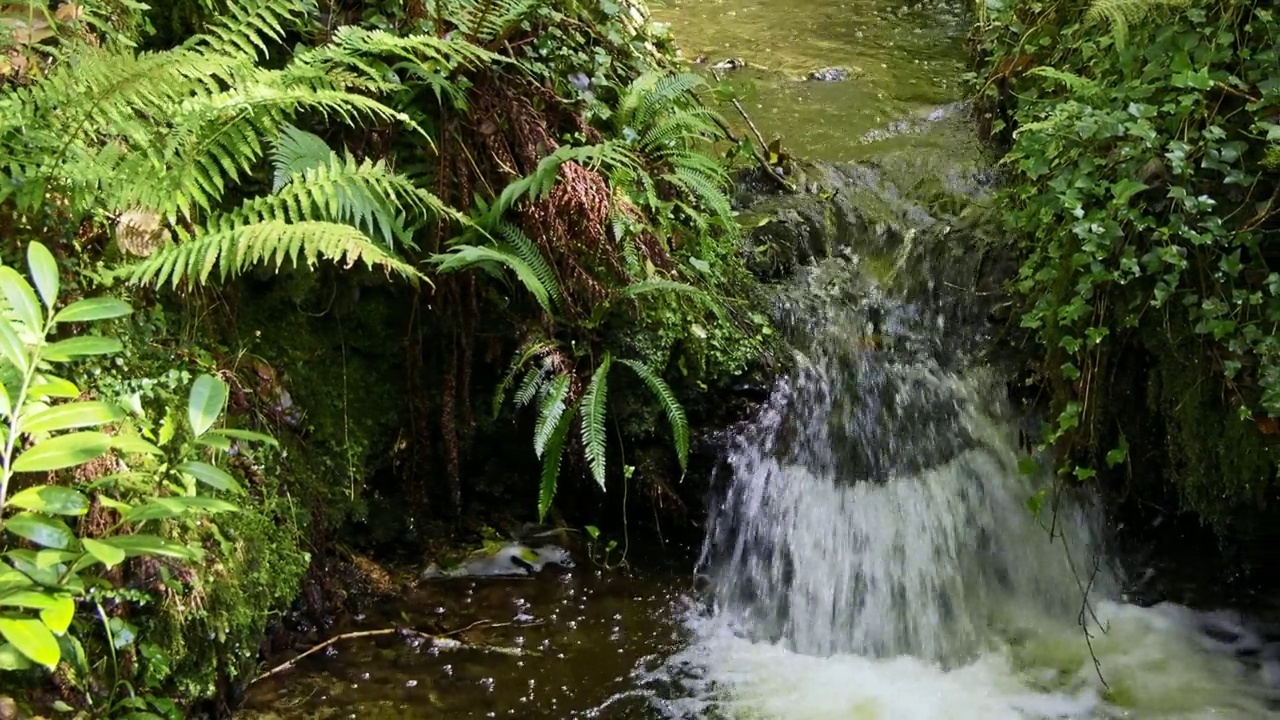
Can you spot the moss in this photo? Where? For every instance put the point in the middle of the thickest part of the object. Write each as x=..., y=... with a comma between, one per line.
x=213, y=630
x=1222, y=466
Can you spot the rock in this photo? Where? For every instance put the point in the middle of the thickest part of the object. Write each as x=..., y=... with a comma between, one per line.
x=511, y=560
x=730, y=64
x=830, y=74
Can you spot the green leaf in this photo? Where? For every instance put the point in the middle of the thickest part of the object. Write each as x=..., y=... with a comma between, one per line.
x=670, y=406
x=132, y=444
x=82, y=346
x=554, y=451
x=247, y=435
x=32, y=639
x=51, y=500
x=199, y=502
x=12, y=659
x=51, y=386
x=58, y=618
x=22, y=299
x=152, y=510
x=204, y=405
x=11, y=347
x=72, y=415
x=594, y=405
x=63, y=451
x=92, y=309
x=41, y=530
x=31, y=599
x=214, y=477
x=553, y=407
x=106, y=554
x=44, y=271
x=137, y=545
x=6, y=405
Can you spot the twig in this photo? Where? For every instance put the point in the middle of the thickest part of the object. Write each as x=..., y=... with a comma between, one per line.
x=756, y=150
x=439, y=641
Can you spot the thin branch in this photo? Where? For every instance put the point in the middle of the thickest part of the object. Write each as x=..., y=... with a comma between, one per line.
x=756, y=150
x=440, y=641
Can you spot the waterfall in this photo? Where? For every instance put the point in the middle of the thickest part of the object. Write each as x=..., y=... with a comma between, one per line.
x=876, y=506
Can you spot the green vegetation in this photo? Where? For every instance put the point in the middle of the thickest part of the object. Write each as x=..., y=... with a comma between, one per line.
x=342, y=223
x=1143, y=153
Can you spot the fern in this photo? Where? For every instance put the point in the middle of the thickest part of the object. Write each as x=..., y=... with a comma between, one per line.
x=551, y=460
x=530, y=350
x=670, y=406
x=553, y=405
x=465, y=257
x=534, y=377
x=1076, y=84
x=594, y=405
x=238, y=247
x=295, y=152
x=1121, y=14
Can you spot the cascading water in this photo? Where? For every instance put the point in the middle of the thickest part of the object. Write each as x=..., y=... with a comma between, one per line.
x=872, y=555
x=876, y=507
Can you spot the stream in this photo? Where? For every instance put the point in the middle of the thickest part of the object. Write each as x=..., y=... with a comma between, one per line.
x=871, y=555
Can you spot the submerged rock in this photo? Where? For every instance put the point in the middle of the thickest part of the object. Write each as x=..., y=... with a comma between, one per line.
x=830, y=74
x=511, y=560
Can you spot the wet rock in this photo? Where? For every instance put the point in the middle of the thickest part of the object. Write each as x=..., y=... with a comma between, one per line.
x=830, y=74
x=730, y=64
x=513, y=559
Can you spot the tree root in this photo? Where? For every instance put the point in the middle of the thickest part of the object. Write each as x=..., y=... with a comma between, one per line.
x=442, y=641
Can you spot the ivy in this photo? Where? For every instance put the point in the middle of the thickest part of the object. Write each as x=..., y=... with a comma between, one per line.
x=1143, y=193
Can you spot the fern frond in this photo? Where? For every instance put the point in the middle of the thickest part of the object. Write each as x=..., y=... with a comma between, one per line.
x=295, y=152
x=594, y=407
x=551, y=458
x=234, y=249
x=533, y=380
x=528, y=351
x=552, y=408
x=664, y=91
x=1121, y=14
x=1075, y=83
x=244, y=28
x=645, y=287
x=532, y=255
x=465, y=257
x=670, y=406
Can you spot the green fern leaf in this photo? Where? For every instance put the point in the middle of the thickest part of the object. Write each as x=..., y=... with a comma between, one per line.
x=464, y=257
x=533, y=381
x=594, y=407
x=528, y=351
x=236, y=248
x=551, y=458
x=670, y=406
x=297, y=151
x=553, y=406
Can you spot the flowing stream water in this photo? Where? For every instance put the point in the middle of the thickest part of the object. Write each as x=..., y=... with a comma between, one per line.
x=870, y=554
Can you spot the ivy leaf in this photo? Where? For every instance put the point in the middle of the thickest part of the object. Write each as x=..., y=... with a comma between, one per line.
x=51, y=500
x=32, y=639
x=44, y=271
x=204, y=404
x=63, y=451
x=92, y=309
